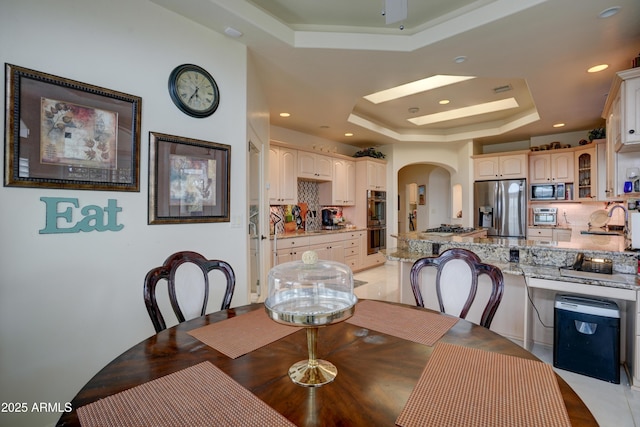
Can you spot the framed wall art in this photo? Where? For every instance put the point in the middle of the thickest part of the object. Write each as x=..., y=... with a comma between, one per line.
x=188, y=180
x=422, y=194
x=62, y=133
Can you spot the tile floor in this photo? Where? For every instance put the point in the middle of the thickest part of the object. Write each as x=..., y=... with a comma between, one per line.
x=614, y=405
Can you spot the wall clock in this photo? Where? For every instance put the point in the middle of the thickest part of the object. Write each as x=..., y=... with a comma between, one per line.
x=193, y=90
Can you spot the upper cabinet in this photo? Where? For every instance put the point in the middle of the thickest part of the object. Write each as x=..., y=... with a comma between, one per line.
x=586, y=173
x=622, y=111
x=508, y=166
x=551, y=167
x=315, y=167
x=341, y=191
x=373, y=173
x=283, y=182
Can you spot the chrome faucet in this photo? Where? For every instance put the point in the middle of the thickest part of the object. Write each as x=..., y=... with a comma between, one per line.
x=626, y=217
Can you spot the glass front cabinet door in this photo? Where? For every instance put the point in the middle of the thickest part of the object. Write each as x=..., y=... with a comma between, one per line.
x=586, y=174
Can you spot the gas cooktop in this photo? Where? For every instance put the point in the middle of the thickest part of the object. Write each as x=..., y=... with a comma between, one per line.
x=446, y=228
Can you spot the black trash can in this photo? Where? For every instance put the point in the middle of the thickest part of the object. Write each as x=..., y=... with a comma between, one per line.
x=587, y=337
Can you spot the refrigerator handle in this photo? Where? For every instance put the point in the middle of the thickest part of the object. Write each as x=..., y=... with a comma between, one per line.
x=497, y=219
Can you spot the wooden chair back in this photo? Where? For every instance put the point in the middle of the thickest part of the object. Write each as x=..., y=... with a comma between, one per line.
x=470, y=276
x=168, y=271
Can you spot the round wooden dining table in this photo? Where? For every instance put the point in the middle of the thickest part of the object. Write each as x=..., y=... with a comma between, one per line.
x=376, y=372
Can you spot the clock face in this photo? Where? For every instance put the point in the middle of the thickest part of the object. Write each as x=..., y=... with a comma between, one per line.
x=193, y=90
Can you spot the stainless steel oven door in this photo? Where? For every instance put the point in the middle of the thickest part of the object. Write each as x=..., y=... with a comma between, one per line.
x=376, y=209
x=376, y=239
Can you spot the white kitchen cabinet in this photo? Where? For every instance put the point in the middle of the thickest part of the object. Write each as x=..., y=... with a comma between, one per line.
x=586, y=174
x=373, y=173
x=561, y=235
x=549, y=234
x=344, y=247
x=614, y=137
x=333, y=251
x=290, y=249
x=622, y=111
x=353, y=250
x=551, y=167
x=539, y=233
x=314, y=166
x=511, y=166
x=283, y=181
x=341, y=191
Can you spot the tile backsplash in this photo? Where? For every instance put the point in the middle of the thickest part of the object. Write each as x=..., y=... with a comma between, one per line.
x=577, y=215
x=290, y=217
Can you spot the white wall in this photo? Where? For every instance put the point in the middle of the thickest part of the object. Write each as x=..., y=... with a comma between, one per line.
x=70, y=303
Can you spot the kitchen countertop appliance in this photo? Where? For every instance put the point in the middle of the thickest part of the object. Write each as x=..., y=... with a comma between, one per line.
x=501, y=207
x=545, y=216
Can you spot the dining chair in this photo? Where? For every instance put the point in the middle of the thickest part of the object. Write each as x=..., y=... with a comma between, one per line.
x=456, y=282
x=187, y=276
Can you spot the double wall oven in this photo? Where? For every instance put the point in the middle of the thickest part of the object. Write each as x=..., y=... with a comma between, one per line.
x=376, y=221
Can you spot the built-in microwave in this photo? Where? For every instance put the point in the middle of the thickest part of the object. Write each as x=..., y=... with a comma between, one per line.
x=555, y=191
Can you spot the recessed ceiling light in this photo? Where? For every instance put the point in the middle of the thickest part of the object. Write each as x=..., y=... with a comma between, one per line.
x=324, y=127
x=413, y=110
x=473, y=110
x=459, y=59
x=558, y=125
x=443, y=102
x=597, y=68
x=417, y=86
x=609, y=12
x=285, y=115
x=348, y=134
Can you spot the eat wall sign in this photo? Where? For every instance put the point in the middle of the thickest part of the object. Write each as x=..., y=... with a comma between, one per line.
x=64, y=215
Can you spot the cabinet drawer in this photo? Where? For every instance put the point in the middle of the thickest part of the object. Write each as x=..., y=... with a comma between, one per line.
x=353, y=235
x=351, y=261
x=352, y=243
x=294, y=242
x=325, y=238
x=540, y=232
x=351, y=251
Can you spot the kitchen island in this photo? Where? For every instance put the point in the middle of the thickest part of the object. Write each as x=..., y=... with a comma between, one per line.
x=534, y=272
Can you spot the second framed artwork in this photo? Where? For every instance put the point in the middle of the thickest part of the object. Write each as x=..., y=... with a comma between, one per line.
x=188, y=180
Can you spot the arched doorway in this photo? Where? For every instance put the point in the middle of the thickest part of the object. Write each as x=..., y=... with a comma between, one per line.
x=431, y=204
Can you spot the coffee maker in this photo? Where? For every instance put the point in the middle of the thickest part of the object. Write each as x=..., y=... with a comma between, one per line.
x=327, y=216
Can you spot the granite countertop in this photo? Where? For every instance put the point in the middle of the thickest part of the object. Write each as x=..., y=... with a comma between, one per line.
x=549, y=272
x=536, y=258
x=302, y=233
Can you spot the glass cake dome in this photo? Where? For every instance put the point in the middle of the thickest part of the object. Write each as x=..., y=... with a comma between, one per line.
x=310, y=292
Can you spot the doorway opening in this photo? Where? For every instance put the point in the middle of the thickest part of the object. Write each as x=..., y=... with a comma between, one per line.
x=425, y=197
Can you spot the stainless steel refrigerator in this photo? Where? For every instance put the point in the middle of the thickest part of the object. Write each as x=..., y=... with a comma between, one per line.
x=501, y=207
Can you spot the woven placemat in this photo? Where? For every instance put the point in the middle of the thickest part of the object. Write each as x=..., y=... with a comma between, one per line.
x=470, y=387
x=418, y=326
x=242, y=334
x=201, y=395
